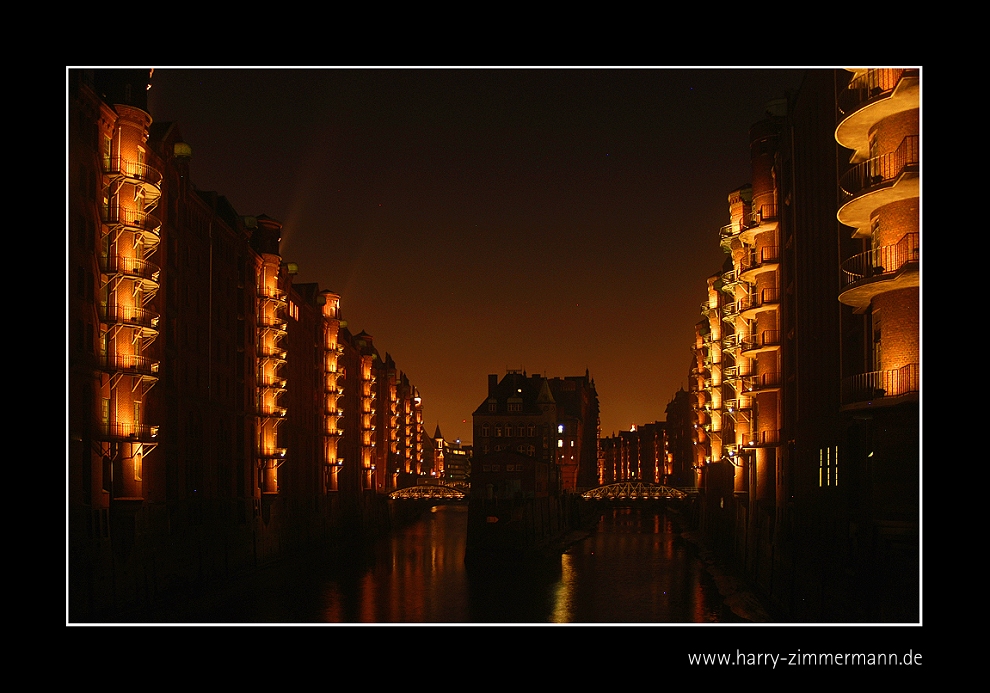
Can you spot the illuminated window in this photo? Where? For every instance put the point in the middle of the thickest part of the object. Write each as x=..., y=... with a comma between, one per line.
x=560, y=443
x=828, y=466
x=560, y=428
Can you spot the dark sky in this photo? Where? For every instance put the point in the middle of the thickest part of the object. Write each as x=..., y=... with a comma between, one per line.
x=475, y=220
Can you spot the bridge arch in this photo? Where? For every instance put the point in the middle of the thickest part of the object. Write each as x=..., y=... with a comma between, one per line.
x=428, y=492
x=634, y=490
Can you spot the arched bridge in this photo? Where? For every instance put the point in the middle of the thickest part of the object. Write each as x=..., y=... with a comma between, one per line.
x=431, y=492
x=634, y=490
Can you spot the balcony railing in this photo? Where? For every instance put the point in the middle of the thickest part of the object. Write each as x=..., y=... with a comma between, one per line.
x=767, y=338
x=130, y=266
x=271, y=351
x=764, y=439
x=132, y=218
x=768, y=296
x=128, y=431
x=765, y=213
x=129, y=315
x=764, y=381
x=272, y=294
x=129, y=363
x=273, y=321
x=728, y=231
x=871, y=85
x=866, y=387
x=767, y=255
x=882, y=169
x=133, y=170
x=885, y=260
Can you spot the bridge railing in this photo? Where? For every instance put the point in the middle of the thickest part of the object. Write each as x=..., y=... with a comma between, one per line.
x=630, y=490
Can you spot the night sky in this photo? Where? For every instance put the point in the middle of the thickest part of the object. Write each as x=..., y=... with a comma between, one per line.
x=474, y=220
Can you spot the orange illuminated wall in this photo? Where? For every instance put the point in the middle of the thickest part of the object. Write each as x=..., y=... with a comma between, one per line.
x=880, y=124
x=271, y=353
x=129, y=239
x=333, y=390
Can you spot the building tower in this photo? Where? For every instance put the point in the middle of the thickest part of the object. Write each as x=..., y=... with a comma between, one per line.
x=333, y=390
x=368, y=408
x=129, y=238
x=439, y=448
x=271, y=352
x=879, y=123
x=754, y=380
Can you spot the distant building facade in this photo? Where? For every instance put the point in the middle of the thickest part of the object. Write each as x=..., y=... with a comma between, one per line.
x=634, y=455
x=555, y=420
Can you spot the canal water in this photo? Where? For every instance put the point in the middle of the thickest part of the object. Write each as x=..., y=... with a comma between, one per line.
x=634, y=567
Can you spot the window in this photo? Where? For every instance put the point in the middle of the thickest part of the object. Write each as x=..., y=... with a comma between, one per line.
x=485, y=430
x=828, y=466
x=498, y=430
x=107, y=151
x=531, y=431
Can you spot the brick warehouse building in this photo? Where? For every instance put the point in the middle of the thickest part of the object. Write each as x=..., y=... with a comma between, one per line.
x=552, y=419
x=219, y=416
x=806, y=377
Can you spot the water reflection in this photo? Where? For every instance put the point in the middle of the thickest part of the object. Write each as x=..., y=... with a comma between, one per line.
x=634, y=568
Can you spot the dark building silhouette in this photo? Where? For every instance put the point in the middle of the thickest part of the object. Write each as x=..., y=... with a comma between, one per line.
x=553, y=419
x=635, y=455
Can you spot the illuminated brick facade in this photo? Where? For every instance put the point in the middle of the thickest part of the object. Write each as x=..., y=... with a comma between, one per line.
x=220, y=417
x=805, y=376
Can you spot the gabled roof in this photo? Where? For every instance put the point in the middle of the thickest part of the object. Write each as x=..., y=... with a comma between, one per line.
x=516, y=386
